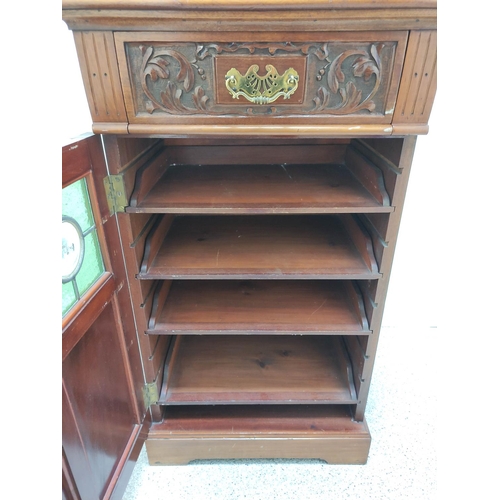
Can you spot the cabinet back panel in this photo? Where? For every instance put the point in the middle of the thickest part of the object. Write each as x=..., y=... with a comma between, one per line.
x=256, y=154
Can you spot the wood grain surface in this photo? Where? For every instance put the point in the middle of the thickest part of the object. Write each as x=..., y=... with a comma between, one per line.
x=260, y=307
x=253, y=247
x=258, y=369
x=327, y=432
x=261, y=189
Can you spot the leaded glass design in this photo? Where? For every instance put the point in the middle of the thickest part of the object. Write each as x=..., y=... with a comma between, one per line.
x=82, y=262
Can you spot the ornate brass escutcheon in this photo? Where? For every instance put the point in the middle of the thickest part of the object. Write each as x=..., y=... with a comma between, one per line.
x=262, y=89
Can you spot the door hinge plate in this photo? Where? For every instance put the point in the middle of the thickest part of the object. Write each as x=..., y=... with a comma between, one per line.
x=115, y=193
x=150, y=394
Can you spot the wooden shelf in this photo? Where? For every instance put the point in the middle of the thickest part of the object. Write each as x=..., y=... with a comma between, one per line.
x=249, y=369
x=238, y=420
x=258, y=307
x=252, y=189
x=259, y=247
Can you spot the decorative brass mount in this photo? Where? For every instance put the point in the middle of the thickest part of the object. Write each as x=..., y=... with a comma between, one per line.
x=262, y=89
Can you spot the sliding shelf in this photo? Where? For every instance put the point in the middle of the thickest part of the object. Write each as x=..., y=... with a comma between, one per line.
x=259, y=247
x=240, y=420
x=327, y=432
x=247, y=189
x=210, y=369
x=258, y=307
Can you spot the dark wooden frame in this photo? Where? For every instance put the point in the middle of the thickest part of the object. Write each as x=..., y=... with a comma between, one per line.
x=178, y=219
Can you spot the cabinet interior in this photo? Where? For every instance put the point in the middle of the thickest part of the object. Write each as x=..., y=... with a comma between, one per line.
x=256, y=266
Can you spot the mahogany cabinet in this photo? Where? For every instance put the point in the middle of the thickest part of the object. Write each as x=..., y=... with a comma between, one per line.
x=257, y=157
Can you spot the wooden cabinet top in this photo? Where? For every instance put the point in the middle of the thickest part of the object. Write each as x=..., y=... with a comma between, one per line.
x=247, y=4
x=327, y=68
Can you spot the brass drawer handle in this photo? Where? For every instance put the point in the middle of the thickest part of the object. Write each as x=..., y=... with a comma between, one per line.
x=262, y=89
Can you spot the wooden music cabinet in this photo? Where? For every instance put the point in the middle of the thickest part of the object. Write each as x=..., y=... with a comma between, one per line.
x=247, y=195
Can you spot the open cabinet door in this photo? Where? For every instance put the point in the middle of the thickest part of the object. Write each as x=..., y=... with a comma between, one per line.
x=102, y=376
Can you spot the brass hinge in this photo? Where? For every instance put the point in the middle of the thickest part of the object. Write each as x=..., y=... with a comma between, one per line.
x=150, y=394
x=115, y=193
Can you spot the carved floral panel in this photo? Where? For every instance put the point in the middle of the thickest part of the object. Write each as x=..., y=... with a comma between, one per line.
x=335, y=78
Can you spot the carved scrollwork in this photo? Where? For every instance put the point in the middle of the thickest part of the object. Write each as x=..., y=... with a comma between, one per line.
x=346, y=77
x=155, y=65
x=210, y=49
x=363, y=66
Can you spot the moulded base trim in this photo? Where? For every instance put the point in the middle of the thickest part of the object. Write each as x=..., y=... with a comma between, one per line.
x=350, y=446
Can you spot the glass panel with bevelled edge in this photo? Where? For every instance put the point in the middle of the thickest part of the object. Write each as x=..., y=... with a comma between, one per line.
x=76, y=204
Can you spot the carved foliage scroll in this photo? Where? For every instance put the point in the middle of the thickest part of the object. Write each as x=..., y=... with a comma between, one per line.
x=156, y=65
x=343, y=78
x=364, y=65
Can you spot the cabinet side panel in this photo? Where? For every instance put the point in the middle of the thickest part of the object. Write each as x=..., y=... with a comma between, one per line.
x=419, y=80
x=385, y=268
x=126, y=157
x=99, y=67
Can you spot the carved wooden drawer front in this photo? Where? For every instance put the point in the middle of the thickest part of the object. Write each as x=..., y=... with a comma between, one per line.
x=351, y=78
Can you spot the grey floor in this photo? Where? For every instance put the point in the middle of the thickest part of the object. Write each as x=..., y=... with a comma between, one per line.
x=402, y=464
